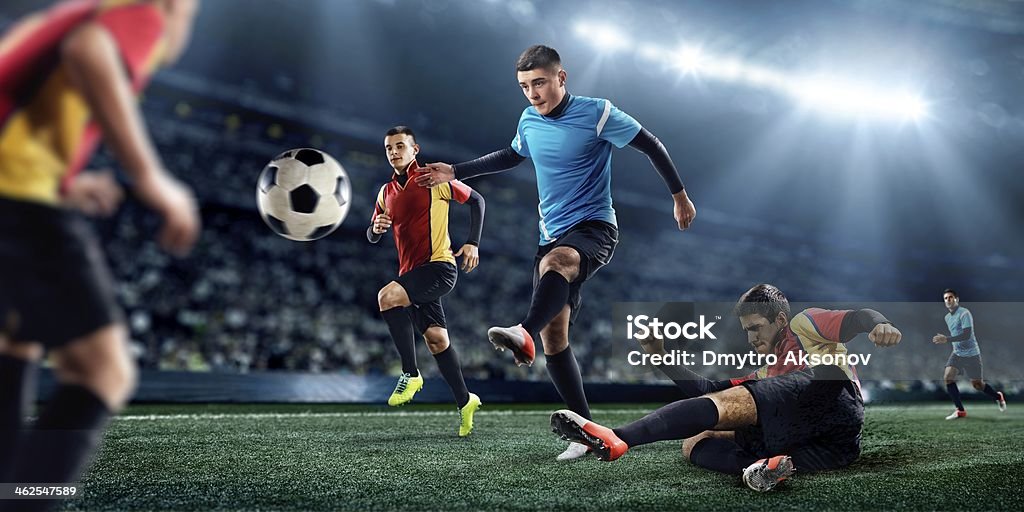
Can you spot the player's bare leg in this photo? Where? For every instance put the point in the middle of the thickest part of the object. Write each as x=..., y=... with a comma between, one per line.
x=96, y=377
x=557, y=270
x=949, y=375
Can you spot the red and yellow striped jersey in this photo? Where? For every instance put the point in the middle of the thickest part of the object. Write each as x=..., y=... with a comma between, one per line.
x=419, y=217
x=47, y=133
x=812, y=331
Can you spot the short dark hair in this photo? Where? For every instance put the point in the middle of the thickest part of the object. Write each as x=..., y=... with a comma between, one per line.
x=401, y=130
x=765, y=300
x=950, y=290
x=538, y=56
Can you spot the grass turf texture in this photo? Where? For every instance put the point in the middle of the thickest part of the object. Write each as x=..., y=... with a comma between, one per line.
x=302, y=457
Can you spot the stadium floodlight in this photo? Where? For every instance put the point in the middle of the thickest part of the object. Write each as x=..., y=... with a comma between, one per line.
x=855, y=99
x=605, y=37
x=689, y=59
x=823, y=93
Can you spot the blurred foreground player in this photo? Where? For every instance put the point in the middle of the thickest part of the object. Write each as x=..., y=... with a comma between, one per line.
x=426, y=268
x=966, y=356
x=570, y=140
x=780, y=418
x=68, y=76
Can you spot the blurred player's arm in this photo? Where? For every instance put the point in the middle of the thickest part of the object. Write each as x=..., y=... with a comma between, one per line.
x=19, y=32
x=646, y=143
x=498, y=161
x=93, y=193
x=93, y=63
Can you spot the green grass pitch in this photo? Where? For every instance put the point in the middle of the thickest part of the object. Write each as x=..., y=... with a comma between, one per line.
x=309, y=457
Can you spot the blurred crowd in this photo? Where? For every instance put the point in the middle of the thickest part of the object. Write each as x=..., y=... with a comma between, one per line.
x=248, y=300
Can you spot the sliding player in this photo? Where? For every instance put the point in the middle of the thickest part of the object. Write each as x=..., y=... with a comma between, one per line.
x=767, y=424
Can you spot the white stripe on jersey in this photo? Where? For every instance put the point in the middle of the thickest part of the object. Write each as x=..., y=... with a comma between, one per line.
x=604, y=116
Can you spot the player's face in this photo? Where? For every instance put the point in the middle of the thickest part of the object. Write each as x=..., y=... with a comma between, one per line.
x=763, y=334
x=543, y=87
x=179, y=15
x=951, y=301
x=401, y=150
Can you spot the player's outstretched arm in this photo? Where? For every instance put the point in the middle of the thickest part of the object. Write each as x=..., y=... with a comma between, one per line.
x=683, y=210
x=942, y=338
x=91, y=59
x=880, y=330
x=498, y=161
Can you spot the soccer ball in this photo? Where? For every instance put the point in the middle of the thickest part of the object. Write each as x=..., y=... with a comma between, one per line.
x=303, y=194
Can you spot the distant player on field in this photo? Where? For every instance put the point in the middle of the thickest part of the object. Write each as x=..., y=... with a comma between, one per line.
x=570, y=140
x=771, y=422
x=966, y=356
x=426, y=268
x=69, y=76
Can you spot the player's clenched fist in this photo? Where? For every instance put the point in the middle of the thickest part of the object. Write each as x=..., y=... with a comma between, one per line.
x=382, y=222
x=885, y=335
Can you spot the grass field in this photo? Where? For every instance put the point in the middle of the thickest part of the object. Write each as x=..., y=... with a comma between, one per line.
x=285, y=457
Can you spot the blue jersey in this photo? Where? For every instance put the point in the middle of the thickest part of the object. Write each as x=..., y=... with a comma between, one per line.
x=957, y=321
x=572, y=154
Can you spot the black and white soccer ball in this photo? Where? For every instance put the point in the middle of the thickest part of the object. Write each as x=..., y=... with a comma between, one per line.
x=303, y=194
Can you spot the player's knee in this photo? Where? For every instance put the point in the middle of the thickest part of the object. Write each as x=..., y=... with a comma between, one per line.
x=690, y=443
x=978, y=384
x=565, y=261
x=437, y=339
x=390, y=296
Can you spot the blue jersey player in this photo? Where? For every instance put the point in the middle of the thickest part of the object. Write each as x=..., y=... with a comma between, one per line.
x=966, y=356
x=570, y=140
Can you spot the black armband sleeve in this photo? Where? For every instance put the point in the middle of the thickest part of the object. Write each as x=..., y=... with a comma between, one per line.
x=476, y=217
x=371, y=236
x=860, y=321
x=498, y=161
x=964, y=336
x=646, y=143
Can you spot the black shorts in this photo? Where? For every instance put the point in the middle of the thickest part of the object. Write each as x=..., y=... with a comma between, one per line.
x=814, y=416
x=595, y=240
x=969, y=366
x=55, y=285
x=426, y=284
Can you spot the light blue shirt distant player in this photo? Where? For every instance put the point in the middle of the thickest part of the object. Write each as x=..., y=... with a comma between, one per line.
x=960, y=321
x=572, y=155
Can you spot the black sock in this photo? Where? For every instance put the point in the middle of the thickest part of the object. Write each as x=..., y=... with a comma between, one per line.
x=677, y=420
x=400, y=326
x=990, y=392
x=448, y=363
x=58, y=447
x=565, y=374
x=17, y=392
x=721, y=455
x=550, y=296
x=954, y=393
